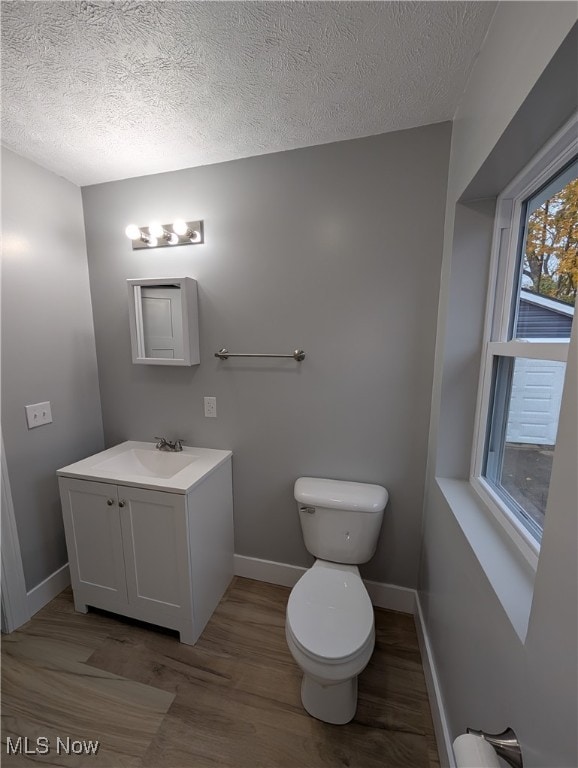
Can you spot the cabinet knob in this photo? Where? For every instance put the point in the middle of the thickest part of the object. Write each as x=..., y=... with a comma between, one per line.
x=110, y=502
x=121, y=503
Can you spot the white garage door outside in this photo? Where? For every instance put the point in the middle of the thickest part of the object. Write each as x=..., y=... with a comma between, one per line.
x=535, y=401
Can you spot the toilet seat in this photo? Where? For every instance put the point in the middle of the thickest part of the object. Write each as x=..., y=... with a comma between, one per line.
x=329, y=614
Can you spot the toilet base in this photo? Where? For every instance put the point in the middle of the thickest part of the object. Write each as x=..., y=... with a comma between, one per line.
x=335, y=704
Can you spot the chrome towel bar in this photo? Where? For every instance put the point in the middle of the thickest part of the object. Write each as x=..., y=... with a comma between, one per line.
x=224, y=354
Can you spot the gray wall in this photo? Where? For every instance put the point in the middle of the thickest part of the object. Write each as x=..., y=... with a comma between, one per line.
x=523, y=87
x=48, y=352
x=335, y=249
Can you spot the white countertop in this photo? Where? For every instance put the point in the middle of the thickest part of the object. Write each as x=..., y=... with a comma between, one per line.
x=101, y=467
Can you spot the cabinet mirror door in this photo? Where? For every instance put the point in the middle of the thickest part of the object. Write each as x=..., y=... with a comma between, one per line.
x=163, y=320
x=162, y=330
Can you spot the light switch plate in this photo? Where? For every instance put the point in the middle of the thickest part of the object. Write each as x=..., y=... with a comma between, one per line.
x=38, y=414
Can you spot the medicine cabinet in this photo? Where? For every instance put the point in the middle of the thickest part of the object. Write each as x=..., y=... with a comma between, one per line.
x=164, y=321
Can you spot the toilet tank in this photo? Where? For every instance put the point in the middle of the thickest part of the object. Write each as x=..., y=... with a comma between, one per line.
x=340, y=520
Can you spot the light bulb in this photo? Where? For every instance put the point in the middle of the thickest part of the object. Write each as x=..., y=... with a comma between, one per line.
x=180, y=227
x=153, y=242
x=133, y=232
x=156, y=229
x=195, y=236
x=173, y=239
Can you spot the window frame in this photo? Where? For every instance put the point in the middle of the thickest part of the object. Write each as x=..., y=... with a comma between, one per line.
x=503, y=286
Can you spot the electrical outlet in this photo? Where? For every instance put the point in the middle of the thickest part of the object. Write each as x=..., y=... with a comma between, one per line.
x=210, y=407
x=38, y=414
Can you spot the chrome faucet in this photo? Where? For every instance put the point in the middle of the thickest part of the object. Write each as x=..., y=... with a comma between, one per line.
x=169, y=445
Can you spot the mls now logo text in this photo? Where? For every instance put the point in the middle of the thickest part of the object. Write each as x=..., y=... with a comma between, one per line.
x=22, y=745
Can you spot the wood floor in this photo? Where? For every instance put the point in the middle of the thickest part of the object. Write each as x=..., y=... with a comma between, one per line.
x=232, y=700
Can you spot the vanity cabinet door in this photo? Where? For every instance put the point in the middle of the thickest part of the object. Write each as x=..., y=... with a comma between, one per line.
x=93, y=538
x=154, y=528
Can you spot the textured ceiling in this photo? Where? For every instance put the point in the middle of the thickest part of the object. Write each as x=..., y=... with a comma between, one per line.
x=97, y=91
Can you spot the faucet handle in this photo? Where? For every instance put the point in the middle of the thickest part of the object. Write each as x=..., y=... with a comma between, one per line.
x=169, y=445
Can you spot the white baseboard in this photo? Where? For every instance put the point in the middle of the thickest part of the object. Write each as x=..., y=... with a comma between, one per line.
x=44, y=592
x=268, y=570
x=390, y=597
x=440, y=723
x=382, y=595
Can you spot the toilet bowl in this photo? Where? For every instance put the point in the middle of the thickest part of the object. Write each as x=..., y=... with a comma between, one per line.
x=330, y=633
x=329, y=623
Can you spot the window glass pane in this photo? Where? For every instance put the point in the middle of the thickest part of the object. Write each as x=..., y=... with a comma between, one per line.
x=522, y=435
x=549, y=260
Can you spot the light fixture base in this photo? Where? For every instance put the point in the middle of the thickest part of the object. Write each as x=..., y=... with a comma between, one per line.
x=194, y=226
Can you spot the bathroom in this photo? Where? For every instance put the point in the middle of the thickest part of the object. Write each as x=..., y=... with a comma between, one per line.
x=362, y=252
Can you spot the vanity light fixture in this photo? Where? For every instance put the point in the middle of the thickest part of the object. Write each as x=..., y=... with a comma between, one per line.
x=158, y=235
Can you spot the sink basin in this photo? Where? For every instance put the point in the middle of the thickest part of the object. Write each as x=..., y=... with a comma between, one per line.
x=142, y=465
x=146, y=463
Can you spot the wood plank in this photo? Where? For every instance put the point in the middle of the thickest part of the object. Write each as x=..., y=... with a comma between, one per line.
x=235, y=695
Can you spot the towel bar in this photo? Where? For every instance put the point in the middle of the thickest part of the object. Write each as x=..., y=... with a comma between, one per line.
x=224, y=354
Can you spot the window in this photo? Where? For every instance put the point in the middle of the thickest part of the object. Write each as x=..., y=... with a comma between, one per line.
x=533, y=286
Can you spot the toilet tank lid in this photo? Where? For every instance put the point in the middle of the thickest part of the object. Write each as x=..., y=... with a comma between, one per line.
x=340, y=494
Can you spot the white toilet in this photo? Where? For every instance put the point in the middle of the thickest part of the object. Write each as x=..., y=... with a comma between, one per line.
x=329, y=624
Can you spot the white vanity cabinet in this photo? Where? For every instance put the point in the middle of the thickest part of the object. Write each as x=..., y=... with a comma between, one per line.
x=160, y=556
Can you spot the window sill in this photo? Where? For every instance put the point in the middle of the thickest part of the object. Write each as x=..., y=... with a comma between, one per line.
x=510, y=574
x=527, y=546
